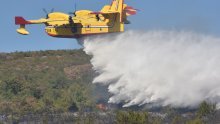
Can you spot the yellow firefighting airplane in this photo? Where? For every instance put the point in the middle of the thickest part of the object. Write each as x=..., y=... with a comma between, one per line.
x=83, y=22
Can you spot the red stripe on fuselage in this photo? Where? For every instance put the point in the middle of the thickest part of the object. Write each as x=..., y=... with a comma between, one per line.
x=77, y=35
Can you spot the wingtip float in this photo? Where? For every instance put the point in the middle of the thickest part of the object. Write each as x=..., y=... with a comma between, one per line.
x=83, y=22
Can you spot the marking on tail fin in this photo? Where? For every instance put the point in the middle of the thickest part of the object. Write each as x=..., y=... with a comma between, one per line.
x=20, y=21
x=116, y=7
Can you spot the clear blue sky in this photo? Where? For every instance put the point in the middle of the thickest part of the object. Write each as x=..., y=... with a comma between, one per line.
x=196, y=15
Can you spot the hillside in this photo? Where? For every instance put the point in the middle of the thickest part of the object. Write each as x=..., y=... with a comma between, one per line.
x=45, y=81
x=55, y=87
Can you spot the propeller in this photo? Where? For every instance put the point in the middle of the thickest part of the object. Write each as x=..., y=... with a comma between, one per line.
x=46, y=12
x=52, y=10
x=74, y=13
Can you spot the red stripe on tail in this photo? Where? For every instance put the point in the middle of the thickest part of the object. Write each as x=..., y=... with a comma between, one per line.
x=131, y=12
x=20, y=21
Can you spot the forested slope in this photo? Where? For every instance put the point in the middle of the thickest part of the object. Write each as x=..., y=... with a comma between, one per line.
x=55, y=87
x=45, y=81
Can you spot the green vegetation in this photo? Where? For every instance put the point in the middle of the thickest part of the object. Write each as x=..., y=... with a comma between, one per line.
x=195, y=121
x=37, y=82
x=55, y=86
x=206, y=109
x=131, y=117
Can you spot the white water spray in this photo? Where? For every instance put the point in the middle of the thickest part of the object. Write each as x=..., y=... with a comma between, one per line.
x=180, y=69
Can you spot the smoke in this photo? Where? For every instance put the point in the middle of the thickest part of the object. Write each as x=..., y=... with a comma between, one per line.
x=179, y=69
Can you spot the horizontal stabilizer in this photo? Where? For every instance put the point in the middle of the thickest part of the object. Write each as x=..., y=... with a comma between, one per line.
x=130, y=10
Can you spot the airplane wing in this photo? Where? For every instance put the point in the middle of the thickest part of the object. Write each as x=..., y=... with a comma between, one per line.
x=128, y=10
x=103, y=13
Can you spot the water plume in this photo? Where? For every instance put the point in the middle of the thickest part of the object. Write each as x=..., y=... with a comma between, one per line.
x=163, y=68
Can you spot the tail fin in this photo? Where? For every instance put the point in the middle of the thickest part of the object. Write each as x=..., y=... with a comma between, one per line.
x=117, y=6
x=20, y=21
x=123, y=9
